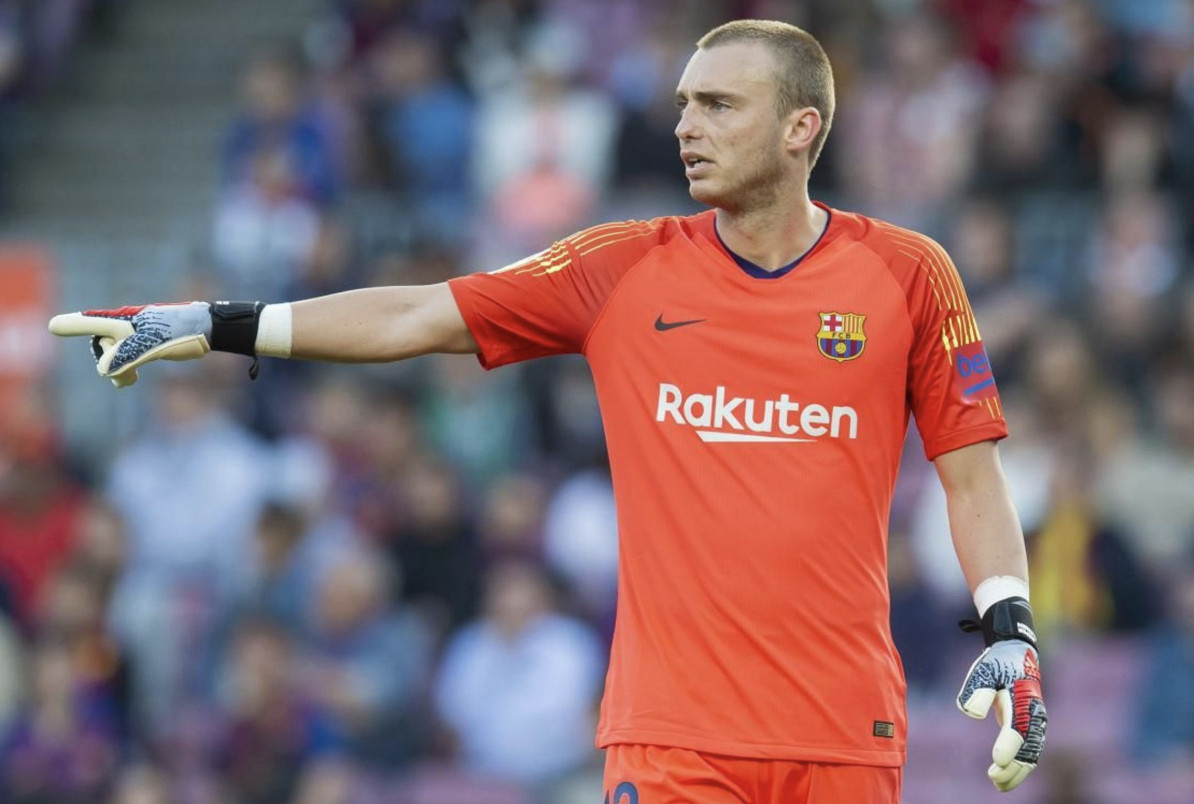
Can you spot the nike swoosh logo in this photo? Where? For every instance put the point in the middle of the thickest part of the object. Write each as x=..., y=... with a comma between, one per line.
x=664, y=326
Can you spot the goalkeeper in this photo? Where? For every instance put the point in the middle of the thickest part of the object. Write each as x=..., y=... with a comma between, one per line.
x=757, y=365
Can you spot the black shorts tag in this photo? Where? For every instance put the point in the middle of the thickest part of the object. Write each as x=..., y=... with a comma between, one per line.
x=884, y=729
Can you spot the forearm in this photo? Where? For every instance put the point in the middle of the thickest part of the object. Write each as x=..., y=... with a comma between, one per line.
x=375, y=325
x=986, y=530
x=987, y=535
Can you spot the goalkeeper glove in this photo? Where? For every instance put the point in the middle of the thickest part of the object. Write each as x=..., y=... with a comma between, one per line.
x=128, y=337
x=1008, y=675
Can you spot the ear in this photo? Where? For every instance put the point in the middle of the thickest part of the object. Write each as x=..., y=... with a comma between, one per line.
x=802, y=127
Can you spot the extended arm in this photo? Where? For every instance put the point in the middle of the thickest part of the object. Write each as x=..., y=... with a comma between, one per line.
x=990, y=547
x=375, y=325
x=370, y=325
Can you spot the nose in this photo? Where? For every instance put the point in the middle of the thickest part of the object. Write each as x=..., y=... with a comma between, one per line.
x=686, y=129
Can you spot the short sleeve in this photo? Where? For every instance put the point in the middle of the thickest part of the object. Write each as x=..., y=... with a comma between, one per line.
x=547, y=304
x=951, y=385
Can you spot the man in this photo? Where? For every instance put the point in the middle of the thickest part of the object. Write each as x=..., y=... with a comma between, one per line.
x=756, y=366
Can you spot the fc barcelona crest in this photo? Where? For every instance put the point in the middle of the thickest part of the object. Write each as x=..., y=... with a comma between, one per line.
x=841, y=337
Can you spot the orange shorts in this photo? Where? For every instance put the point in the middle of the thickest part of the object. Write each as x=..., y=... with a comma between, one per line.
x=651, y=774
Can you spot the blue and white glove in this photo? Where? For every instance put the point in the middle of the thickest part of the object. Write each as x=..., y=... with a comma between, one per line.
x=127, y=337
x=1007, y=675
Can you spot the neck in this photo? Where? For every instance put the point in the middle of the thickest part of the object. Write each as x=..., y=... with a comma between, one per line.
x=775, y=235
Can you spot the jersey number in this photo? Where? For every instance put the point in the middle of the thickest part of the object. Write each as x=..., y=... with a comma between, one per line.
x=624, y=793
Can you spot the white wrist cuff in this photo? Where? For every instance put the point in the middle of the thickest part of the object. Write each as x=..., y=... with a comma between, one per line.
x=273, y=331
x=996, y=588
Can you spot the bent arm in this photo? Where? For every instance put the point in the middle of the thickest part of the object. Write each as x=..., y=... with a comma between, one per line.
x=377, y=325
x=982, y=518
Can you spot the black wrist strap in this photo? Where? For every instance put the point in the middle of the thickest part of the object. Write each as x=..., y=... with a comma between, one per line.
x=1010, y=618
x=234, y=329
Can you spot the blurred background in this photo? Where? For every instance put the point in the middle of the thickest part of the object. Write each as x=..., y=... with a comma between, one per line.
x=396, y=583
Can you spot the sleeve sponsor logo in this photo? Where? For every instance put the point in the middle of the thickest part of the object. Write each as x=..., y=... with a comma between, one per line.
x=972, y=372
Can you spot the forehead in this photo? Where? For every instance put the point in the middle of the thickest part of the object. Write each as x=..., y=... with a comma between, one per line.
x=742, y=67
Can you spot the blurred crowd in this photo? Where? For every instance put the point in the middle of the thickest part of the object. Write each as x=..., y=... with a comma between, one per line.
x=397, y=583
x=38, y=39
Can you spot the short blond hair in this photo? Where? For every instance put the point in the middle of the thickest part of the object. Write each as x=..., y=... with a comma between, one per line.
x=804, y=76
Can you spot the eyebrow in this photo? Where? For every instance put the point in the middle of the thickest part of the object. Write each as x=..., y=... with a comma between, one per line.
x=702, y=96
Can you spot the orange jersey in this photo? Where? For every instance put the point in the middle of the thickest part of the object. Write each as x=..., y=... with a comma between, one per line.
x=754, y=425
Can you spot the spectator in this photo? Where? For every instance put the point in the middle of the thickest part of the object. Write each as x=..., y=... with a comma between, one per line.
x=329, y=781
x=369, y=22
x=277, y=120
x=547, y=150
x=265, y=230
x=388, y=443
x=425, y=120
x=517, y=687
x=142, y=784
x=1145, y=485
x=1021, y=146
x=437, y=546
x=315, y=529
x=330, y=265
x=270, y=730
x=1132, y=156
x=100, y=544
x=1134, y=267
x=909, y=148
x=567, y=415
x=580, y=540
x=510, y=523
x=72, y=610
x=281, y=585
x=56, y=750
x=1086, y=575
x=53, y=29
x=988, y=28
x=189, y=488
x=366, y=665
x=479, y=422
x=1164, y=727
x=279, y=172
x=39, y=510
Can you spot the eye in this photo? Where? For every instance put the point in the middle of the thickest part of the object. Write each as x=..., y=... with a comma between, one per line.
x=681, y=103
x=719, y=106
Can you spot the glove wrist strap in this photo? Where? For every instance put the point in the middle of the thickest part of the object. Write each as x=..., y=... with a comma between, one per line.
x=234, y=326
x=1006, y=619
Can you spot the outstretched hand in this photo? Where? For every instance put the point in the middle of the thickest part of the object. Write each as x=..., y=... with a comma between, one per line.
x=127, y=337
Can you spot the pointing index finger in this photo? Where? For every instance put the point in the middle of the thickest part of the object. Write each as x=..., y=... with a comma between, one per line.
x=68, y=324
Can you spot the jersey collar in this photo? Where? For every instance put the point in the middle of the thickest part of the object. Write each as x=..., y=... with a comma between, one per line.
x=757, y=271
